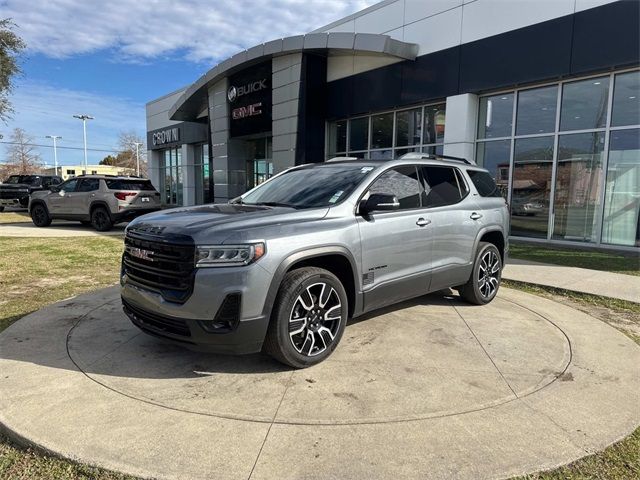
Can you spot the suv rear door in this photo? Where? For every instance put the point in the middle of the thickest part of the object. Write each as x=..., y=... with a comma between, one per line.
x=396, y=245
x=454, y=225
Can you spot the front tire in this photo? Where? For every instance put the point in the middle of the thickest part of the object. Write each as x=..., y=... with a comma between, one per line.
x=308, y=319
x=101, y=220
x=40, y=216
x=484, y=282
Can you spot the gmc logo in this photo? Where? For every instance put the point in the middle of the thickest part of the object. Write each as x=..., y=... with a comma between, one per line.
x=248, y=111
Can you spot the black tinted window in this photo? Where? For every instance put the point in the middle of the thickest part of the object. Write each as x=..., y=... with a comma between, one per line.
x=89, y=185
x=401, y=182
x=118, y=184
x=442, y=186
x=484, y=183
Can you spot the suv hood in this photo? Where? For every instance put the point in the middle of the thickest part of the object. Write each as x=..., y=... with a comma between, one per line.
x=216, y=222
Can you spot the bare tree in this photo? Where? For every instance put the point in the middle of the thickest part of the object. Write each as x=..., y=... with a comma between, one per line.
x=127, y=152
x=10, y=48
x=22, y=156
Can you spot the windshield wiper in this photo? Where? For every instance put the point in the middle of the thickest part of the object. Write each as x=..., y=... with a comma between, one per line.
x=273, y=204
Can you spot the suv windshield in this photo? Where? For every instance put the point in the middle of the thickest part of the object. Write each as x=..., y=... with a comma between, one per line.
x=129, y=185
x=321, y=186
x=24, y=179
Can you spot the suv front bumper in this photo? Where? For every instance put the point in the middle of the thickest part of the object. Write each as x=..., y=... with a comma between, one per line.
x=195, y=323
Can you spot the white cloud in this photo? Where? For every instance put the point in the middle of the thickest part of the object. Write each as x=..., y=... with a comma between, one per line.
x=207, y=30
x=44, y=110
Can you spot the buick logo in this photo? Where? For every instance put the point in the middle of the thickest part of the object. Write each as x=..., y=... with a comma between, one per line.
x=232, y=94
x=140, y=253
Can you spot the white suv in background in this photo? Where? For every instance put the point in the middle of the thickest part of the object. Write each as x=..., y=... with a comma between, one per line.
x=99, y=200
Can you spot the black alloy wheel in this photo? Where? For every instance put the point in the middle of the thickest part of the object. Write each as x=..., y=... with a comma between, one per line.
x=40, y=216
x=101, y=220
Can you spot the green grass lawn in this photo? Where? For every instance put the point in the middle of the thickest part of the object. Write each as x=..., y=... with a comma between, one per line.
x=36, y=272
x=628, y=264
x=14, y=217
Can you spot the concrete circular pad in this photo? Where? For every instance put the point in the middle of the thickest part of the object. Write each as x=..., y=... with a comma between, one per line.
x=432, y=388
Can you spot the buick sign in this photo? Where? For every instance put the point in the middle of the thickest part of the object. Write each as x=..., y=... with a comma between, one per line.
x=236, y=92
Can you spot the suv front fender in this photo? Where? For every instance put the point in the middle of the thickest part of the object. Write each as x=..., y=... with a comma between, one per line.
x=307, y=256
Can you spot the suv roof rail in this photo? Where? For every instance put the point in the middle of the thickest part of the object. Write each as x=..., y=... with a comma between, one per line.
x=434, y=156
x=345, y=159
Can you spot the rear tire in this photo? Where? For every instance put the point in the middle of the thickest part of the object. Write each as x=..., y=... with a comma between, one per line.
x=40, y=216
x=24, y=202
x=308, y=319
x=1, y=209
x=484, y=282
x=101, y=220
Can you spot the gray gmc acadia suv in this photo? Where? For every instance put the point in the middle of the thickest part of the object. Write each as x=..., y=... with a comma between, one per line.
x=282, y=267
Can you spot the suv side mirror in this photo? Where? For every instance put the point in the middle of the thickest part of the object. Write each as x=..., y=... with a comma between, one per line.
x=54, y=188
x=379, y=202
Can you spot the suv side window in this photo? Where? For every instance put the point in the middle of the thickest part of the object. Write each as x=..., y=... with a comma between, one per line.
x=443, y=186
x=401, y=182
x=88, y=185
x=69, y=185
x=484, y=183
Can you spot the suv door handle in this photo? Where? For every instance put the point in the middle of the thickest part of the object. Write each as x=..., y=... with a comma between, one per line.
x=475, y=216
x=423, y=222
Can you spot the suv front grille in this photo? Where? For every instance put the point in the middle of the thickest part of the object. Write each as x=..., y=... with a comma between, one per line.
x=167, y=268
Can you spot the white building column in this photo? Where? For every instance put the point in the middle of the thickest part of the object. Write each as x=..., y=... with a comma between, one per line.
x=460, y=127
x=188, y=175
x=155, y=165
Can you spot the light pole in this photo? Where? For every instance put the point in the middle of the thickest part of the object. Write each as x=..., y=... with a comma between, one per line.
x=137, y=144
x=55, y=152
x=84, y=119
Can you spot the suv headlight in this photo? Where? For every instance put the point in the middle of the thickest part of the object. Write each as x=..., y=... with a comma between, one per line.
x=228, y=255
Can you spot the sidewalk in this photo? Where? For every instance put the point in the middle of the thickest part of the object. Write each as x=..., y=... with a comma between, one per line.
x=583, y=280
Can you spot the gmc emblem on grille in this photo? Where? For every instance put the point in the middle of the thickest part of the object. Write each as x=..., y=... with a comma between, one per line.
x=140, y=253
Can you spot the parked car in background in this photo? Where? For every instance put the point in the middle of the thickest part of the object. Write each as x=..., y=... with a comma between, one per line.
x=526, y=207
x=283, y=267
x=15, y=190
x=97, y=200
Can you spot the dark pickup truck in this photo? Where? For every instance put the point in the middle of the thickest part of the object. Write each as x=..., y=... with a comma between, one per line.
x=16, y=189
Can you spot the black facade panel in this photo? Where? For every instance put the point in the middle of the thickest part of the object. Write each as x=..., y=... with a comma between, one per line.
x=606, y=37
x=430, y=77
x=339, y=94
x=377, y=89
x=250, y=105
x=311, y=109
x=529, y=54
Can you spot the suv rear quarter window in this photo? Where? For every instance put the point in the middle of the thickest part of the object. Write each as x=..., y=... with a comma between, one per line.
x=484, y=183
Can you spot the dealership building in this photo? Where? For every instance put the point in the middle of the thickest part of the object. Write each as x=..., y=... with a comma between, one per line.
x=545, y=94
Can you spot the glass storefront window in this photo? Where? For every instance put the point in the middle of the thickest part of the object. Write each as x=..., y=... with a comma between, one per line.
x=408, y=127
x=621, y=222
x=494, y=156
x=382, y=130
x=359, y=133
x=419, y=129
x=578, y=180
x=626, y=99
x=531, y=187
x=434, y=119
x=537, y=110
x=337, y=137
x=171, y=176
x=259, y=164
x=584, y=104
x=496, y=116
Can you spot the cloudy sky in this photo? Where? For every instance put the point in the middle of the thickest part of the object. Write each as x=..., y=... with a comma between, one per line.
x=108, y=58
